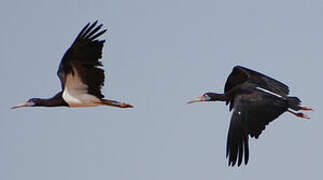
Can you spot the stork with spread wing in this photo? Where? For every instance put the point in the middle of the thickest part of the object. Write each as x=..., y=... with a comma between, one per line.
x=256, y=100
x=80, y=74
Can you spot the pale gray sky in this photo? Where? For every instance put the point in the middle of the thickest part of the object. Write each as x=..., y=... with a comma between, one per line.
x=158, y=55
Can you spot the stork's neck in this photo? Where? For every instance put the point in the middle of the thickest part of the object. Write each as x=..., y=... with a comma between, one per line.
x=218, y=97
x=56, y=100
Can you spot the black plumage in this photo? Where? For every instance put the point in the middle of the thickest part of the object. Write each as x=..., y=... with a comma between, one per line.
x=84, y=56
x=256, y=100
x=80, y=74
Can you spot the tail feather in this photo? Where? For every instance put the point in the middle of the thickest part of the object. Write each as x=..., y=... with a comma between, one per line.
x=294, y=103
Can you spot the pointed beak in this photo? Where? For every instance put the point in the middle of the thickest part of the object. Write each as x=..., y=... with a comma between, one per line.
x=197, y=99
x=25, y=104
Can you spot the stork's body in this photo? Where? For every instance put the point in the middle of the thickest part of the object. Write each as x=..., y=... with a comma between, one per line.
x=75, y=92
x=256, y=100
x=80, y=74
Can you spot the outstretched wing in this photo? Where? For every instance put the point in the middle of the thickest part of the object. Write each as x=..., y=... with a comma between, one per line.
x=237, y=140
x=252, y=112
x=83, y=56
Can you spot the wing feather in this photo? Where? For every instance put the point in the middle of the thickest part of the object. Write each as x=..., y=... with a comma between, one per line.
x=250, y=117
x=237, y=140
x=240, y=75
x=84, y=55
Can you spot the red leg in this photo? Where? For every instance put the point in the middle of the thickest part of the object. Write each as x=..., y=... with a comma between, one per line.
x=301, y=115
x=306, y=108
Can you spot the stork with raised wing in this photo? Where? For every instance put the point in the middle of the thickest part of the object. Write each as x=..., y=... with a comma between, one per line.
x=256, y=100
x=80, y=74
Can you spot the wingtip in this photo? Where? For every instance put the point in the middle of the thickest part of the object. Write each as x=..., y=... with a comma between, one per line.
x=94, y=23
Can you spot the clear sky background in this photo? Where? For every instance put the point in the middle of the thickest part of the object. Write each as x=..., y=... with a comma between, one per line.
x=158, y=55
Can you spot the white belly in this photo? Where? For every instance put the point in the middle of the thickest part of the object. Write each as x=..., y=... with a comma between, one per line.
x=80, y=100
x=75, y=92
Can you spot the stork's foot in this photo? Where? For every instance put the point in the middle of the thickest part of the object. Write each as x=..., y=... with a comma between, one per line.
x=304, y=108
x=301, y=115
x=125, y=105
x=115, y=103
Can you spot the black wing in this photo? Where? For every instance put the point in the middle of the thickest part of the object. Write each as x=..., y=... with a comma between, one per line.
x=252, y=112
x=83, y=56
x=237, y=140
x=240, y=74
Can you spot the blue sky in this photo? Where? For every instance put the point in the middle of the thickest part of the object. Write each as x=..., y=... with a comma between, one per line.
x=158, y=55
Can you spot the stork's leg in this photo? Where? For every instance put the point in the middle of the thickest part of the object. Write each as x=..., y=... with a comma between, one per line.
x=301, y=115
x=115, y=103
x=304, y=108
